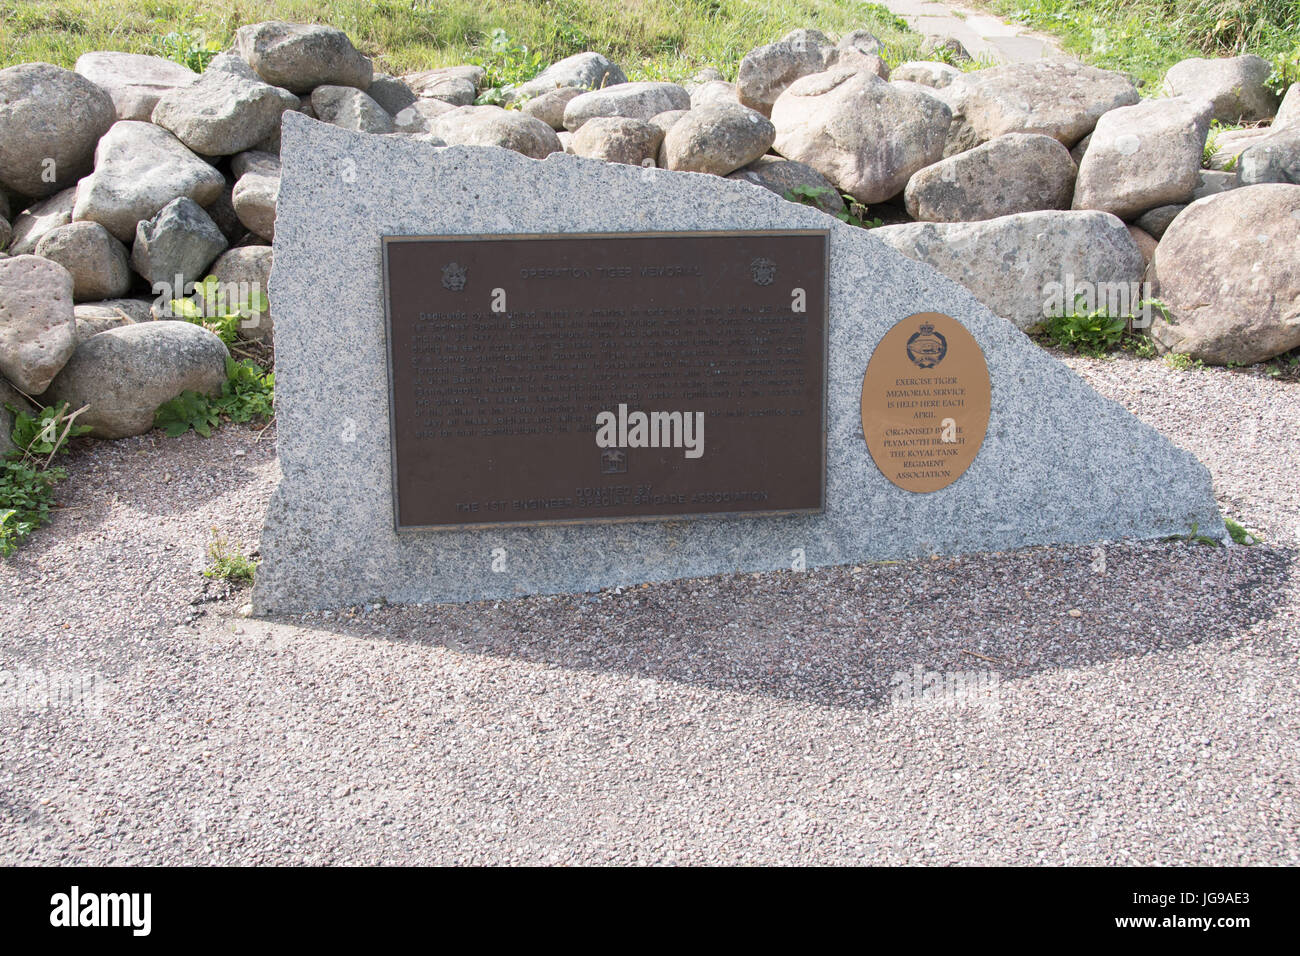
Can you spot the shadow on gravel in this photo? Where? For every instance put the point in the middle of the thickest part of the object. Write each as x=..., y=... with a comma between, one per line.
x=849, y=637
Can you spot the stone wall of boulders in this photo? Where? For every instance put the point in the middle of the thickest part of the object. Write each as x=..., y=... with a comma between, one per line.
x=129, y=178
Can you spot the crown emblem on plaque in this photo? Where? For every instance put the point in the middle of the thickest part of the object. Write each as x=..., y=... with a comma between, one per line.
x=763, y=270
x=453, y=276
x=926, y=348
x=613, y=462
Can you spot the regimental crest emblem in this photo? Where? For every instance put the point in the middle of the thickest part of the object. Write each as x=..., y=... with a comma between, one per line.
x=926, y=348
x=613, y=461
x=763, y=270
x=454, y=276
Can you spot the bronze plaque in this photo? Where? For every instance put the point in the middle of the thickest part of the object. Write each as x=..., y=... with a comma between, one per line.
x=585, y=378
x=925, y=402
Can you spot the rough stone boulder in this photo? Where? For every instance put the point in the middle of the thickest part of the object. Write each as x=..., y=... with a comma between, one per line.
x=1229, y=144
x=1017, y=172
x=125, y=373
x=391, y=92
x=139, y=168
x=549, y=107
x=588, y=71
x=1012, y=263
x=1056, y=97
x=38, y=329
x=714, y=91
x=1273, y=159
x=256, y=191
x=246, y=271
x=1227, y=271
x=1235, y=85
x=864, y=134
x=39, y=219
x=718, y=139
x=1288, y=114
x=493, y=126
x=926, y=72
x=134, y=81
x=177, y=245
x=767, y=71
x=1144, y=156
x=454, y=89
x=783, y=176
x=418, y=117
x=302, y=56
x=633, y=100
x=50, y=121
x=96, y=317
x=350, y=108
x=618, y=139
x=1156, y=221
x=94, y=258
x=226, y=111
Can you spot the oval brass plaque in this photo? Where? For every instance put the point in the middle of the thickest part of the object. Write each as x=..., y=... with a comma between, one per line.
x=925, y=402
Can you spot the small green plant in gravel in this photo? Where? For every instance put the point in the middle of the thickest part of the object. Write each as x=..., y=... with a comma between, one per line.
x=227, y=563
x=1139, y=345
x=1182, y=363
x=1089, y=333
x=1238, y=533
x=247, y=393
x=27, y=477
x=210, y=308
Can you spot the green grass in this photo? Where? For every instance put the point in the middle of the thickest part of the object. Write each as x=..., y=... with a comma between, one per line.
x=1146, y=37
x=650, y=39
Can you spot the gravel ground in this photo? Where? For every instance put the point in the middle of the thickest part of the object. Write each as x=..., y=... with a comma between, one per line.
x=1134, y=703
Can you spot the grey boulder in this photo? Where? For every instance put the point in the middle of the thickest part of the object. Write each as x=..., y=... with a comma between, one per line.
x=256, y=192
x=718, y=139
x=1016, y=172
x=1235, y=85
x=1144, y=156
x=350, y=108
x=618, y=139
x=134, y=81
x=391, y=93
x=1274, y=159
x=302, y=56
x=227, y=111
x=767, y=71
x=1156, y=221
x=50, y=121
x=95, y=259
x=125, y=373
x=549, y=107
x=588, y=71
x=797, y=182
x=1224, y=273
x=38, y=329
x=1011, y=263
x=493, y=126
x=633, y=100
x=139, y=168
x=245, y=274
x=418, y=117
x=865, y=135
x=926, y=72
x=175, y=246
x=39, y=219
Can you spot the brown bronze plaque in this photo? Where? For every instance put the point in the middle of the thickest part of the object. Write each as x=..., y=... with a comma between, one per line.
x=584, y=378
x=925, y=402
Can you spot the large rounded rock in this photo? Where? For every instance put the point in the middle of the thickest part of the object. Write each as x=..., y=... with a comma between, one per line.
x=1232, y=292
x=96, y=317
x=767, y=71
x=245, y=273
x=38, y=329
x=1144, y=156
x=176, y=246
x=134, y=81
x=718, y=139
x=1235, y=85
x=926, y=72
x=454, y=89
x=713, y=91
x=588, y=71
x=419, y=116
x=50, y=120
x=493, y=126
x=256, y=192
x=1273, y=159
x=95, y=259
x=617, y=139
x=1288, y=114
x=391, y=92
x=139, y=168
x=549, y=107
x=1229, y=144
x=1012, y=263
x=39, y=219
x=1018, y=172
x=789, y=179
x=633, y=100
x=125, y=373
x=227, y=111
x=865, y=135
x=1058, y=98
x=350, y=108
x=302, y=56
